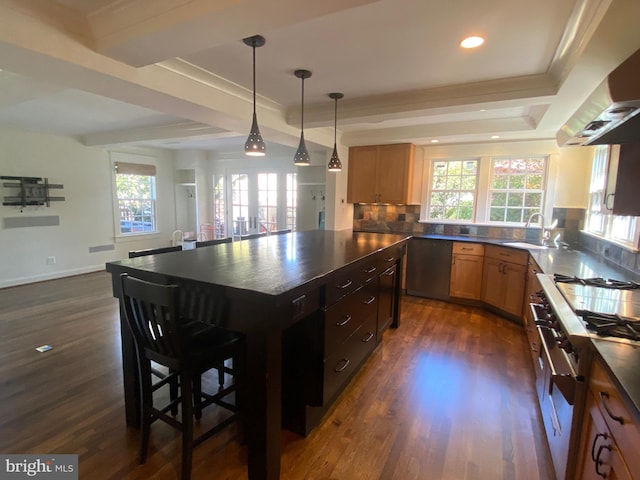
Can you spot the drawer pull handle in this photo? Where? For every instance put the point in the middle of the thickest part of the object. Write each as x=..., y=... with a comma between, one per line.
x=390, y=272
x=346, y=284
x=595, y=442
x=369, y=336
x=534, y=347
x=346, y=320
x=369, y=300
x=605, y=396
x=389, y=259
x=370, y=270
x=600, y=462
x=345, y=362
x=467, y=248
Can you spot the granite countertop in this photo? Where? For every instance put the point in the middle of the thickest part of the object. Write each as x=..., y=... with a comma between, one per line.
x=622, y=359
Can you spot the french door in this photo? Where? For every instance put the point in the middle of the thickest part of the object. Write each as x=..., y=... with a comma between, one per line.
x=255, y=201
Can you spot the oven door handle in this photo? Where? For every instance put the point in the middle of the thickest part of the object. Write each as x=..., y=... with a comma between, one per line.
x=566, y=382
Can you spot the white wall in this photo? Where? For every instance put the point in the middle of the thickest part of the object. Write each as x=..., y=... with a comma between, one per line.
x=86, y=215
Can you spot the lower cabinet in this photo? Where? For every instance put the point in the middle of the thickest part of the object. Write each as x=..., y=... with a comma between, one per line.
x=387, y=299
x=325, y=350
x=503, y=278
x=610, y=438
x=466, y=270
x=600, y=455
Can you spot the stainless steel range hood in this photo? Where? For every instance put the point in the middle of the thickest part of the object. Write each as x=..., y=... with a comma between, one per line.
x=611, y=115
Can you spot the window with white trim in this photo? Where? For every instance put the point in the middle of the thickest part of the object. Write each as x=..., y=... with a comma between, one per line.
x=517, y=188
x=136, y=198
x=454, y=185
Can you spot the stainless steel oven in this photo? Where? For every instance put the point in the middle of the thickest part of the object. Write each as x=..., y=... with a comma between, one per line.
x=568, y=313
x=558, y=384
x=560, y=374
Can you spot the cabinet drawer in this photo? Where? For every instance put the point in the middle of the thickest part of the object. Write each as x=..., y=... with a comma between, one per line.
x=621, y=423
x=345, y=316
x=505, y=254
x=339, y=367
x=348, y=281
x=468, y=248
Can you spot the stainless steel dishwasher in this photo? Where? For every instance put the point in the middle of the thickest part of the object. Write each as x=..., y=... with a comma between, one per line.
x=429, y=268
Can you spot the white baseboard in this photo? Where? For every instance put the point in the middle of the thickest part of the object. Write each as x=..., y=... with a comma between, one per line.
x=13, y=282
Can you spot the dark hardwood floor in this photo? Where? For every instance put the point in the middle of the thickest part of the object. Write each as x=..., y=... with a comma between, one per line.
x=449, y=395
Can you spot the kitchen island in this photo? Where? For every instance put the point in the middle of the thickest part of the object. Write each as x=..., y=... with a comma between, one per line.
x=269, y=284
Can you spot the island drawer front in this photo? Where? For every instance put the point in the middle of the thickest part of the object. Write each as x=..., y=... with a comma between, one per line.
x=506, y=254
x=339, y=367
x=345, y=316
x=611, y=404
x=350, y=280
x=466, y=248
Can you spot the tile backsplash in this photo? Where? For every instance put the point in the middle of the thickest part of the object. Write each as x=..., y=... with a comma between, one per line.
x=404, y=219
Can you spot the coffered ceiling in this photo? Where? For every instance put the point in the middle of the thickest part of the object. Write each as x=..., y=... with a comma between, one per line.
x=176, y=74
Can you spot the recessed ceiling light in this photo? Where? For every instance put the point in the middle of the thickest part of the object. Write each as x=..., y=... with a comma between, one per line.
x=495, y=136
x=472, y=42
x=435, y=140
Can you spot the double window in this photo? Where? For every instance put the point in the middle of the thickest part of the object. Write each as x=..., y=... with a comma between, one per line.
x=514, y=189
x=135, y=185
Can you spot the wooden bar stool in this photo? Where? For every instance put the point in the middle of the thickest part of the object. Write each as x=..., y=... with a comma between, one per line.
x=188, y=348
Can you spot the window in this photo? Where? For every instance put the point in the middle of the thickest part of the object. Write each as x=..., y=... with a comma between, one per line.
x=517, y=188
x=267, y=202
x=292, y=199
x=240, y=203
x=219, y=207
x=453, y=190
x=136, y=197
x=621, y=229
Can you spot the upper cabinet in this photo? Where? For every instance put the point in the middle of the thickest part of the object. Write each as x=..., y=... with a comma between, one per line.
x=384, y=174
x=623, y=196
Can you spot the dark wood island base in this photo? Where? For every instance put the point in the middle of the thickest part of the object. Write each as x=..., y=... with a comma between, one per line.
x=324, y=296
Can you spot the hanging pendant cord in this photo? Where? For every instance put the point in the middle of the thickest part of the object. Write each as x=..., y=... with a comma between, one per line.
x=254, y=77
x=335, y=121
x=302, y=109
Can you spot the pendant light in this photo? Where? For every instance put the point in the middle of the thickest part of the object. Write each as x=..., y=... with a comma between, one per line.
x=335, y=165
x=254, y=146
x=301, y=158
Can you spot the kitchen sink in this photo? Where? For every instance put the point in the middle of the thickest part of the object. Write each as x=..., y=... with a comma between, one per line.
x=530, y=246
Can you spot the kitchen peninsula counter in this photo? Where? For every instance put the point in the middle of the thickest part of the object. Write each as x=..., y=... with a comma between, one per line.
x=269, y=283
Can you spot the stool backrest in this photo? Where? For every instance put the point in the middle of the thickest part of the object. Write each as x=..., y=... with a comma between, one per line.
x=253, y=235
x=216, y=241
x=151, y=313
x=154, y=251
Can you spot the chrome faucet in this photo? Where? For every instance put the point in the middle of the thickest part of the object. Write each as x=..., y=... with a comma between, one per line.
x=544, y=233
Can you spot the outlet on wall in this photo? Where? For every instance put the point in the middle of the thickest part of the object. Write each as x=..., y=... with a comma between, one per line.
x=51, y=260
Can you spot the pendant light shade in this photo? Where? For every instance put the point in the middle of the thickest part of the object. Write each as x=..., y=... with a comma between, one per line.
x=301, y=158
x=254, y=146
x=335, y=165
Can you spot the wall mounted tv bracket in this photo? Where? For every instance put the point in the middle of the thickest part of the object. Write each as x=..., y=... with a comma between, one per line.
x=31, y=191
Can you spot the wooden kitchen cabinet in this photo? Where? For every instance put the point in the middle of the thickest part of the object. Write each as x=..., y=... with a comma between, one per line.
x=503, y=278
x=382, y=174
x=622, y=196
x=466, y=270
x=610, y=438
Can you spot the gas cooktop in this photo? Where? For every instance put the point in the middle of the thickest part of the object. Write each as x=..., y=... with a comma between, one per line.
x=609, y=308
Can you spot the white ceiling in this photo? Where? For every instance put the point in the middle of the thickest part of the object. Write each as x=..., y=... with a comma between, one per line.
x=176, y=74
